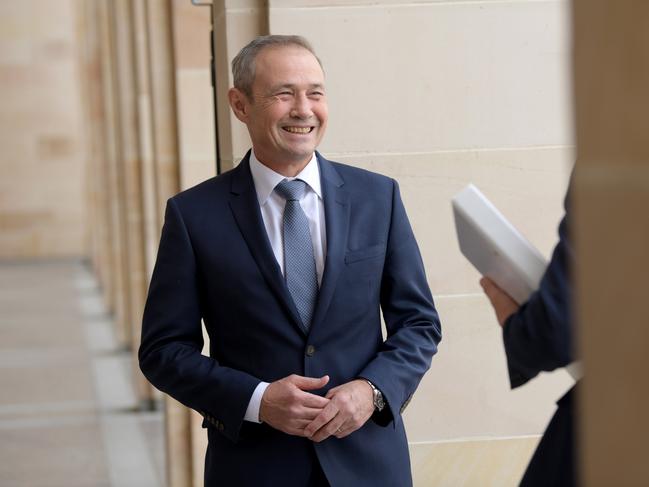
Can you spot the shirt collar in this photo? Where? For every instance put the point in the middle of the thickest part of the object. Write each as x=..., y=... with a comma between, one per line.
x=265, y=179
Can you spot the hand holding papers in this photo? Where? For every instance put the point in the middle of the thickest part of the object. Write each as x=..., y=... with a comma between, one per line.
x=497, y=250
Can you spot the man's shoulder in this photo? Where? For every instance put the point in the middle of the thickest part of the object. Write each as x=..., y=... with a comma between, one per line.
x=213, y=188
x=352, y=174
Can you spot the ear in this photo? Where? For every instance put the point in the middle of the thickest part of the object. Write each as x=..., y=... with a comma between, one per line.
x=239, y=104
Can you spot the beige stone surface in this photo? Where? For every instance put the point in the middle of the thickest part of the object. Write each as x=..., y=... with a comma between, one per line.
x=63, y=378
x=64, y=417
x=328, y=4
x=235, y=26
x=53, y=455
x=199, y=448
x=152, y=219
x=113, y=175
x=466, y=393
x=191, y=35
x=443, y=75
x=471, y=463
x=41, y=163
x=131, y=167
x=162, y=71
x=527, y=185
x=178, y=443
x=195, y=98
x=196, y=126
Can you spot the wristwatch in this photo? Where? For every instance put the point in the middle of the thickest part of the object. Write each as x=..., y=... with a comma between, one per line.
x=379, y=403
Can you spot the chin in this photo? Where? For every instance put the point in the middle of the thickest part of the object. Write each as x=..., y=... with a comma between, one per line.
x=302, y=152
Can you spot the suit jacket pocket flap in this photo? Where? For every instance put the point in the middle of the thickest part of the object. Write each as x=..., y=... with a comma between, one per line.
x=364, y=254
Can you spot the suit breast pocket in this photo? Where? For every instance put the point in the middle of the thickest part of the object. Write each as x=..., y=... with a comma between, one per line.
x=360, y=282
x=367, y=253
x=366, y=265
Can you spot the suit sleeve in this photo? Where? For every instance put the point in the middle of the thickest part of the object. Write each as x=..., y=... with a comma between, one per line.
x=412, y=323
x=170, y=352
x=539, y=336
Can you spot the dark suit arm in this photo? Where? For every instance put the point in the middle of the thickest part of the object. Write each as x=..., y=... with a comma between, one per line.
x=412, y=322
x=538, y=337
x=170, y=352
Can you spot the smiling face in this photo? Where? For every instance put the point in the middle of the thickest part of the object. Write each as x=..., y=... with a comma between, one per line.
x=287, y=115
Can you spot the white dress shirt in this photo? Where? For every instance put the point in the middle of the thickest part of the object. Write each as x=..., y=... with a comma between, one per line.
x=272, y=213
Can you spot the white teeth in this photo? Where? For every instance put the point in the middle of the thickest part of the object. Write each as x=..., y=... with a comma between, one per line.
x=298, y=130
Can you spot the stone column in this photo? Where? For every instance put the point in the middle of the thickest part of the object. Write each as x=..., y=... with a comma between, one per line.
x=234, y=27
x=163, y=100
x=113, y=176
x=92, y=83
x=195, y=108
x=152, y=218
x=166, y=159
x=130, y=162
x=611, y=49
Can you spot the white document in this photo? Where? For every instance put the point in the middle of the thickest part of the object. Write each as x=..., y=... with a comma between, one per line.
x=497, y=250
x=495, y=247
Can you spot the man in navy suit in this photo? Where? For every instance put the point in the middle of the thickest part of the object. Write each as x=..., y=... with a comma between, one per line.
x=538, y=336
x=300, y=388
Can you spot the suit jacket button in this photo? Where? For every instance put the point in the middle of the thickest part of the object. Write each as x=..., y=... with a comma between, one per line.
x=310, y=350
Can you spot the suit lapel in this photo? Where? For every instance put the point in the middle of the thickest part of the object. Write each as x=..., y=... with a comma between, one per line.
x=245, y=207
x=336, y=203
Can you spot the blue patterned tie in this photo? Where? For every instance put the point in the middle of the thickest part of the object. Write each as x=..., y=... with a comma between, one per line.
x=299, y=263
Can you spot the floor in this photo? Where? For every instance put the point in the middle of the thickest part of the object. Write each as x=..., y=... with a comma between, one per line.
x=68, y=414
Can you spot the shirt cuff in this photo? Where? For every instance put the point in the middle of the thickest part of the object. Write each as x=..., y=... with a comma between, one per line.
x=252, y=413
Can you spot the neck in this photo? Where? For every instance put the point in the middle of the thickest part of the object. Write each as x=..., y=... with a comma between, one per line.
x=287, y=169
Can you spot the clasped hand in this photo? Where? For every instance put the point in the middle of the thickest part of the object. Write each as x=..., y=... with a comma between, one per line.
x=288, y=406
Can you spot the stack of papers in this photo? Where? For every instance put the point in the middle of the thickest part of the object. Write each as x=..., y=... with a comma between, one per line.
x=495, y=247
x=497, y=250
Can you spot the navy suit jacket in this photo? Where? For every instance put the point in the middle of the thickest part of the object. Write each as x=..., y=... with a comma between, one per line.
x=539, y=337
x=215, y=263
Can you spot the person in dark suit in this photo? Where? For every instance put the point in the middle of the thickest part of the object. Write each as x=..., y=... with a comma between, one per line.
x=538, y=336
x=289, y=260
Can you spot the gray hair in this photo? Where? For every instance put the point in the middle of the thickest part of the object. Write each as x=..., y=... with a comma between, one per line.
x=243, y=65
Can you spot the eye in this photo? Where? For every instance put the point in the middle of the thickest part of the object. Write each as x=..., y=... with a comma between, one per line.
x=316, y=94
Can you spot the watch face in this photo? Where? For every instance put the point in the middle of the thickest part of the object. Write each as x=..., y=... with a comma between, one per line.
x=379, y=403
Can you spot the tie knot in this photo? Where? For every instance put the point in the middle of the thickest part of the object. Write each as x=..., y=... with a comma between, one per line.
x=291, y=190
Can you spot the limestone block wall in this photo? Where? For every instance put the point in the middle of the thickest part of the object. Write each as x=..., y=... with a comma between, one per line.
x=194, y=93
x=437, y=95
x=42, y=210
x=236, y=22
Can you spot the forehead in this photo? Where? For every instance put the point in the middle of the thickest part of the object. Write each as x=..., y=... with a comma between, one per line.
x=287, y=65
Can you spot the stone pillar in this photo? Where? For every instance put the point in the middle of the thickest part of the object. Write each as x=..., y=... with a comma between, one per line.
x=130, y=162
x=163, y=100
x=195, y=108
x=165, y=154
x=611, y=70
x=152, y=218
x=92, y=83
x=234, y=27
x=113, y=176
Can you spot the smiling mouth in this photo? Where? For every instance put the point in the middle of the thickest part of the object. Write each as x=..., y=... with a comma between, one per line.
x=298, y=130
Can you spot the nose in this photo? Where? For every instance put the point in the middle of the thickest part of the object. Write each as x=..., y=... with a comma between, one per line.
x=301, y=107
